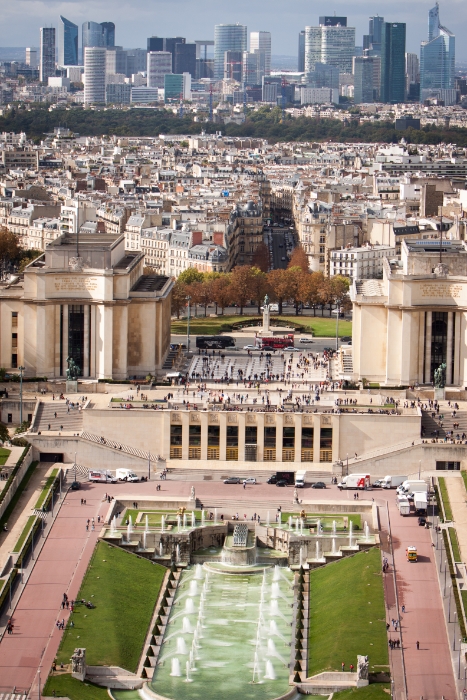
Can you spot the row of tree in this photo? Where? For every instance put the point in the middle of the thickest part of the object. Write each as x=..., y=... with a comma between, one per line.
x=12, y=257
x=296, y=285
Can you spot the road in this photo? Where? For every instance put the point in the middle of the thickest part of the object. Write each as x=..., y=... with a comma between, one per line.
x=280, y=245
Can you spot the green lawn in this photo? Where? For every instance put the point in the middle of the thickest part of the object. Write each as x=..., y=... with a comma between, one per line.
x=327, y=520
x=375, y=691
x=347, y=615
x=25, y=533
x=464, y=477
x=124, y=589
x=68, y=687
x=445, y=497
x=16, y=497
x=454, y=544
x=4, y=455
x=320, y=327
x=45, y=491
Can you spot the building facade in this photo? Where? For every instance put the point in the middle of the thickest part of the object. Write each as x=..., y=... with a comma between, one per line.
x=159, y=65
x=261, y=42
x=47, y=54
x=227, y=37
x=393, y=62
x=67, y=43
x=94, y=75
x=437, y=58
x=87, y=300
x=334, y=45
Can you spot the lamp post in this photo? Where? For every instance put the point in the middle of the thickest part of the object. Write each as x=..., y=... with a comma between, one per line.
x=449, y=606
x=21, y=370
x=188, y=326
x=338, y=310
x=75, y=466
x=459, y=668
x=454, y=633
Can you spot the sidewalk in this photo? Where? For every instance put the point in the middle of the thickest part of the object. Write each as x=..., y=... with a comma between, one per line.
x=458, y=498
x=13, y=457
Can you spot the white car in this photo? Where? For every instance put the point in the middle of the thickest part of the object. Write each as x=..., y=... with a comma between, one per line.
x=292, y=349
x=250, y=480
x=250, y=347
x=305, y=340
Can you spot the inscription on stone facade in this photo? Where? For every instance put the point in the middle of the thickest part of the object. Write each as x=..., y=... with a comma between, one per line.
x=231, y=418
x=176, y=418
x=213, y=418
x=441, y=291
x=194, y=417
x=308, y=420
x=288, y=420
x=75, y=284
x=250, y=418
x=270, y=420
x=325, y=420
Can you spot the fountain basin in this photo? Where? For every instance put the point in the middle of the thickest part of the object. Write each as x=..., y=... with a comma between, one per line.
x=244, y=555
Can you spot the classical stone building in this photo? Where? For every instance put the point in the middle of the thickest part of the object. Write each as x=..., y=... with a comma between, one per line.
x=414, y=319
x=90, y=301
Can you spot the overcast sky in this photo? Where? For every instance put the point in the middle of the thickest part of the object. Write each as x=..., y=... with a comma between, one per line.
x=137, y=19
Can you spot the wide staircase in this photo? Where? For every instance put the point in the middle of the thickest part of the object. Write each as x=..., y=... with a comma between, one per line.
x=53, y=415
x=443, y=423
x=120, y=447
x=347, y=364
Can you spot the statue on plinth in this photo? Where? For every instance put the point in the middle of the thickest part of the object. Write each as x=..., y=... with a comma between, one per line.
x=266, y=318
x=440, y=376
x=73, y=370
x=78, y=664
x=192, y=494
x=362, y=668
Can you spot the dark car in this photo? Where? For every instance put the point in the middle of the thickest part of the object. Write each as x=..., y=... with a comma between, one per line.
x=422, y=521
x=272, y=479
x=232, y=480
x=75, y=486
x=319, y=485
x=346, y=338
x=281, y=482
x=268, y=348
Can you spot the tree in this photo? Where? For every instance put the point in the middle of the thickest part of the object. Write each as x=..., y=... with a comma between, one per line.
x=190, y=275
x=261, y=258
x=278, y=284
x=4, y=434
x=299, y=259
x=222, y=291
x=310, y=291
x=241, y=284
x=9, y=249
x=340, y=292
x=259, y=286
x=201, y=293
x=325, y=293
x=294, y=277
x=179, y=295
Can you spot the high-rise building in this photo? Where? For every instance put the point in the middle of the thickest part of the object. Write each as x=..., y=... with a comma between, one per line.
x=233, y=65
x=375, y=30
x=47, y=54
x=94, y=74
x=437, y=58
x=95, y=34
x=155, y=43
x=227, y=37
x=301, y=52
x=363, y=70
x=204, y=64
x=412, y=67
x=261, y=41
x=158, y=65
x=334, y=45
x=67, y=43
x=393, y=62
x=177, y=86
x=333, y=21
x=115, y=61
x=32, y=59
x=185, y=59
x=323, y=76
x=170, y=44
x=253, y=67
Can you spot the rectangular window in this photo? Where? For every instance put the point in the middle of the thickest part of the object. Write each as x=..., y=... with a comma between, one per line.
x=10, y=418
x=232, y=443
x=270, y=437
x=14, y=341
x=288, y=437
x=325, y=445
x=448, y=466
x=14, y=319
x=14, y=361
x=176, y=435
x=194, y=436
x=213, y=436
x=251, y=435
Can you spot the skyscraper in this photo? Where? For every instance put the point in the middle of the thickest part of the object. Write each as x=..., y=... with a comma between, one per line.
x=363, y=70
x=31, y=57
x=301, y=52
x=67, y=43
x=159, y=64
x=261, y=41
x=334, y=45
x=375, y=30
x=47, y=54
x=185, y=59
x=333, y=21
x=227, y=37
x=94, y=74
x=95, y=34
x=437, y=58
x=393, y=62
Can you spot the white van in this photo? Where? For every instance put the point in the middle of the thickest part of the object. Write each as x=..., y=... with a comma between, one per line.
x=126, y=475
x=104, y=477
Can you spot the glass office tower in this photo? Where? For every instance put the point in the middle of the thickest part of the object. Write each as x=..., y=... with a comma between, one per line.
x=95, y=34
x=437, y=57
x=227, y=37
x=67, y=43
x=393, y=62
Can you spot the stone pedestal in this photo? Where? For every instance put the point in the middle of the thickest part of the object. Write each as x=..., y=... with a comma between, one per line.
x=71, y=386
x=439, y=393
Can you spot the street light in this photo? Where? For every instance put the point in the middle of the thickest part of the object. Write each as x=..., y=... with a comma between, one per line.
x=338, y=310
x=454, y=633
x=188, y=326
x=21, y=370
x=459, y=669
x=449, y=607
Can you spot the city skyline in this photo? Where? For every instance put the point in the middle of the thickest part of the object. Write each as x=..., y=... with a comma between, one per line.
x=21, y=28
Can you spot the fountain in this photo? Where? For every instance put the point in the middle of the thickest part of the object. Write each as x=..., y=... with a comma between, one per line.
x=187, y=666
x=277, y=573
x=301, y=556
x=215, y=516
x=129, y=530
x=317, y=550
x=267, y=519
x=146, y=526
x=189, y=606
x=193, y=519
x=181, y=646
x=198, y=572
x=184, y=521
x=290, y=522
x=177, y=553
x=113, y=525
x=270, y=675
x=179, y=522
x=296, y=525
x=186, y=626
x=175, y=667
x=203, y=517
x=144, y=539
x=301, y=527
x=366, y=530
x=319, y=528
x=350, y=532
x=334, y=527
x=333, y=546
x=193, y=589
x=162, y=523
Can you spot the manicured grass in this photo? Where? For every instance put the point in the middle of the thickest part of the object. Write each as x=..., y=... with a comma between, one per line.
x=464, y=477
x=320, y=327
x=454, y=544
x=4, y=455
x=16, y=497
x=25, y=533
x=445, y=497
x=154, y=516
x=66, y=686
x=124, y=589
x=45, y=491
x=347, y=615
x=375, y=691
x=327, y=520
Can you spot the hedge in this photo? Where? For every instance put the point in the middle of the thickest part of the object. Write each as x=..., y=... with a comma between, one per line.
x=14, y=472
x=27, y=541
x=6, y=586
x=455, y=591
x=46, y=493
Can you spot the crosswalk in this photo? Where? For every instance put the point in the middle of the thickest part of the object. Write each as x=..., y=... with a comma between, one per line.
x=13, y=696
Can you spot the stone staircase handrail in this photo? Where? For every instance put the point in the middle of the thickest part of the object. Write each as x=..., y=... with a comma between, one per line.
x=105, y=442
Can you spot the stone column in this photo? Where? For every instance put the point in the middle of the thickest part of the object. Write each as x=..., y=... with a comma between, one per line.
x=57, y=338
x=204, y=435
x=65, y=339
x=449, y=349
x=457, y=347
x=428, y=325
x=92, y=359
x=335, y=424
x=421, y=345
x=185, y=430
x=86, y=341
x=298, y=437
x=241, y=417
x=260, y=437
x=316, y=437
x=279, y=436
x=222, y=436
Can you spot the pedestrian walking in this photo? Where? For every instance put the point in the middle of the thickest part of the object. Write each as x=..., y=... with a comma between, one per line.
x=403, y=609
x=87, y=527
x=418, y=645
x=342, y=666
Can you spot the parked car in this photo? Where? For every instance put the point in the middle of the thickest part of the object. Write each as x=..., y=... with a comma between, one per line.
x=281, y=482
x=346, y=338
x=250, y=480
x=422, y=521
x=250, y=347
x=268, y=348
x=292, y=349
x=283, y=258
x=377, y=484
x=272, y=479
x=319, y=485
x=232, y=480
x=75, y=486
x=305, y=340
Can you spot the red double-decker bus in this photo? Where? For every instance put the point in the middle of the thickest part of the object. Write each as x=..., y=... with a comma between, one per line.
x=277, y=343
